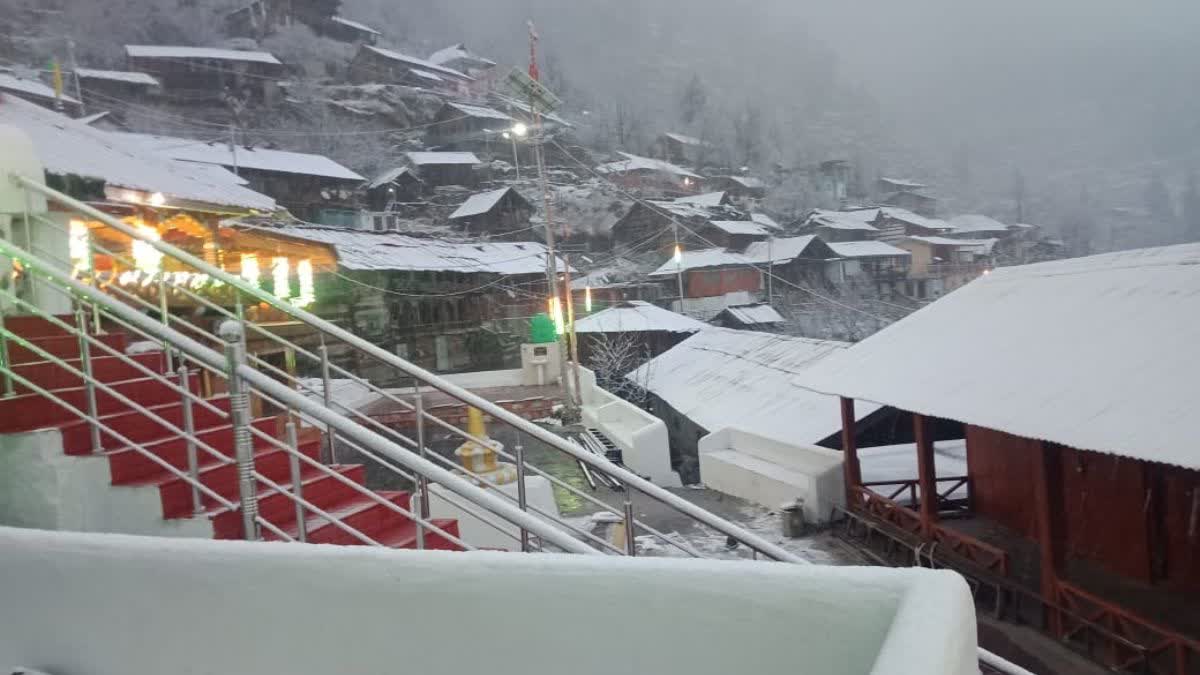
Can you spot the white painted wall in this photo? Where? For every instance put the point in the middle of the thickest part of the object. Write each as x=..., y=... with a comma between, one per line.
x=117, y=605
x=41, y=486
x=483, y=529
x=772, y=473
x=642, y=437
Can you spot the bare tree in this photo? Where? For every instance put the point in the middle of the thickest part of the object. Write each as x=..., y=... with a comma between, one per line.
x=615, y=355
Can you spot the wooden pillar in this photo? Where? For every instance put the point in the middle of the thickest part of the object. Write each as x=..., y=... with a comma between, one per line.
x=926, y=474
x=850, y=466
x=1048, y=508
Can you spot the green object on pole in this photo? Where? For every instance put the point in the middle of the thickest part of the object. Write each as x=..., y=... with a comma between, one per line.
x=541, y=329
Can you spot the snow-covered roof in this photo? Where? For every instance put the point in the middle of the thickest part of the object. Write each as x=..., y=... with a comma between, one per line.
x=708, y=257
x=974, y=222
x=636, y=316
x=389, y=176
x=723, y=377
x=754, y=315
x=355, y=25
x=481, y=203
x=740, y=227
x=636, y=163
x=94, y=117
x=210, y=53
x=686, y=140
x=417, y=62
x=457, y=52
x=866, y=249
x=903, y=184
x=441, y=158
x=707, y=199
x=748, y=182
x=480, y=112
x=33, y=88
x=258, y=159
x=780, y=250
x=126, y=76
x=360, y=250
x=843, y=220
x=786, y=249
x=976, y=245
x=766, y=221
x=1090, y=376
x=906, y=216
x=70, y=147
x=425, y=74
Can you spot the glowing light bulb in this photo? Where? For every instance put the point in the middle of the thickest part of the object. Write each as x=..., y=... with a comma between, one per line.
x=157, y=199
x=78, y=248
x=678, y=257
x=587, y=299
x=147, y=258
x=280, y=271
x=307, y=296
x=250, y=271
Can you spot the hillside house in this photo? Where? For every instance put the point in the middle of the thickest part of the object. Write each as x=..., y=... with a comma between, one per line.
x=101, y=86
x=939, y=265
x=832, y=180
x=755, y=316
x=871, y=263
x=738, y=187
x=376, y=64
x=474, y=128
x=496, y=213
x=458, y=57
x=312, y=187
x=976, y=226
x=682, y=149
x=397, y=185
x=655, y=221
x=188, y=73
x=35, y=92
x=1071, y=498
x=259, y=18
x=832, y=226
x=894, y=224
x=344, y=30
x=651, y=177
x=636, y=329
x=444, y=168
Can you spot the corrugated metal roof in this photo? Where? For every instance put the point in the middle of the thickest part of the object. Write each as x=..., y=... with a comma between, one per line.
x=258, y=159
x=740, y=227
x=766, y=221
x=706, y=199
x=866, y=249
x=31, y=87
x=480, y=112
x=974, y=222
x=359, y=250
x=906, y=216
x=117, y=76
x=176, y=52
x=779, y=250
x=389, y=176
x=785, y=249
x=1095, y=353
x=754, y=315
x=481, y=203
x=355, y=25
x=440, y=158
x=636, y=163
x=843, y=220
x=723, y=377
x=709, y=257
x=69, y=147
x=637, y=316
x=418, y=62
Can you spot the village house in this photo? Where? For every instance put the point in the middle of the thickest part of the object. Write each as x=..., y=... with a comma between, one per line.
x=376, y=64
x=397, y=185
x=976, y=226
x=939, y=265
x=756, y=316
x=463, y=60
x=632, y=332
x=893, y=224
x=874, y=264
x=652, y=178
x=187, y=73
x=682, y=149
x=259, y=18
x=1081, y=474
x=312, y=187
x=834, y=226
x=740, y=188
x=104, y=89
x=444, y=168
x=344, y=30
x=832, y=180
x=655, y=220
x=495, y=213
x=905, y=194
x=473, y=128
x=35, y=92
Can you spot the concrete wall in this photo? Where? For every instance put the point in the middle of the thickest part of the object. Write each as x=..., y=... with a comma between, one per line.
x=483, y=529
x=642, y=437
x=772, y=473
x=117, y=605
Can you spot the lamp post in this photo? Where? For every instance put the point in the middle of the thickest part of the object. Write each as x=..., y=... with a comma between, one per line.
x=518, y=130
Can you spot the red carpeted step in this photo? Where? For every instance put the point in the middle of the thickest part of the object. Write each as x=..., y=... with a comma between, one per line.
x=403, y=534
x=52, y=376
x=363, y=513
x=318, y=488
x=127, y=466
x=36, y=326
x=63, y=347
x=32, y=411
x=272, y=463
x=138, y=428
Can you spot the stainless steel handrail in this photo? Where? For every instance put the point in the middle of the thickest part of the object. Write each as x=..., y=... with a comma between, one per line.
x=627, y=477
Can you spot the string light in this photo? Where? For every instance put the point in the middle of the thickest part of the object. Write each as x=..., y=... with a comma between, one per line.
x=78, y=248
x=145, y=257
x=307, y=296
x=678, y=254
x=250, y=272
x=157, y=199
x=587, y=299
x=280, y=271
x=557, y=314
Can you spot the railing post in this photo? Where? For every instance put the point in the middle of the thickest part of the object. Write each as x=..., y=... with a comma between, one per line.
x=630, y=523
x=239, y=409
x=189, y=429
x=326, y=398
x=422, y=480
x=521, y=497
x=4, y=361
x=162, y=310
x=297, y=483
x=89, y=383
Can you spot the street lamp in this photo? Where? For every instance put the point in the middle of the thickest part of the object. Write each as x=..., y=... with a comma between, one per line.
x=518, y=130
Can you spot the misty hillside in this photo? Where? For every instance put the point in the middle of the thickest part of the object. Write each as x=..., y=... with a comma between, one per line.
x=1087, y=109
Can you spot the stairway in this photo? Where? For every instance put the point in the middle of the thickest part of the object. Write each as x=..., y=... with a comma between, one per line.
x=129, y=468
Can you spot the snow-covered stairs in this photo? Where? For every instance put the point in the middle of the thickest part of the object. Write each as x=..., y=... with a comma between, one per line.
x=129, y=468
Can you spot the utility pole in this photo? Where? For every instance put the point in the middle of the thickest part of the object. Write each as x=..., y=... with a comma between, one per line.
x=551, y=258
x=678, y=255
x=770, y=271
x=233, y=147
x=75, y=75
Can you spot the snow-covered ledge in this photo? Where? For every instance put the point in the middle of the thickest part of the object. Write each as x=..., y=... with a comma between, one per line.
x=772, y=473
x=642, y=437
x=123, y=605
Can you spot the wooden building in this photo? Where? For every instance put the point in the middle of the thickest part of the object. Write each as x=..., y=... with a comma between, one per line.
x=102, y=89
x=836, y=226
x=905, y=194
x=636, y=329
x=192, y=72
x=445, y=168
x=737, y=187
x=718, y=272
x=259, y=18
x=894, y=224
x=682, y=149
x=397, y=185
x=652, y=178
x=1082, y=474
x=496, y=213
x=756, y=316
x=681, y=220
x=345, y=30
x=36, y=92
x=458, y=57
x=474, y=128
x=938, y=265
x=376, y=64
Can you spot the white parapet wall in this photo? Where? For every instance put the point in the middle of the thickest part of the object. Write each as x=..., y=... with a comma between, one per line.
x=772, y=473
x=642, y=437
x=483, y=529
x=122, y=605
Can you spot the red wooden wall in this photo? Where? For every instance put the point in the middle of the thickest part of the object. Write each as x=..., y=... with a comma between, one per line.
x=1001, y=467
x=706, y=283
x=1105, y=497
